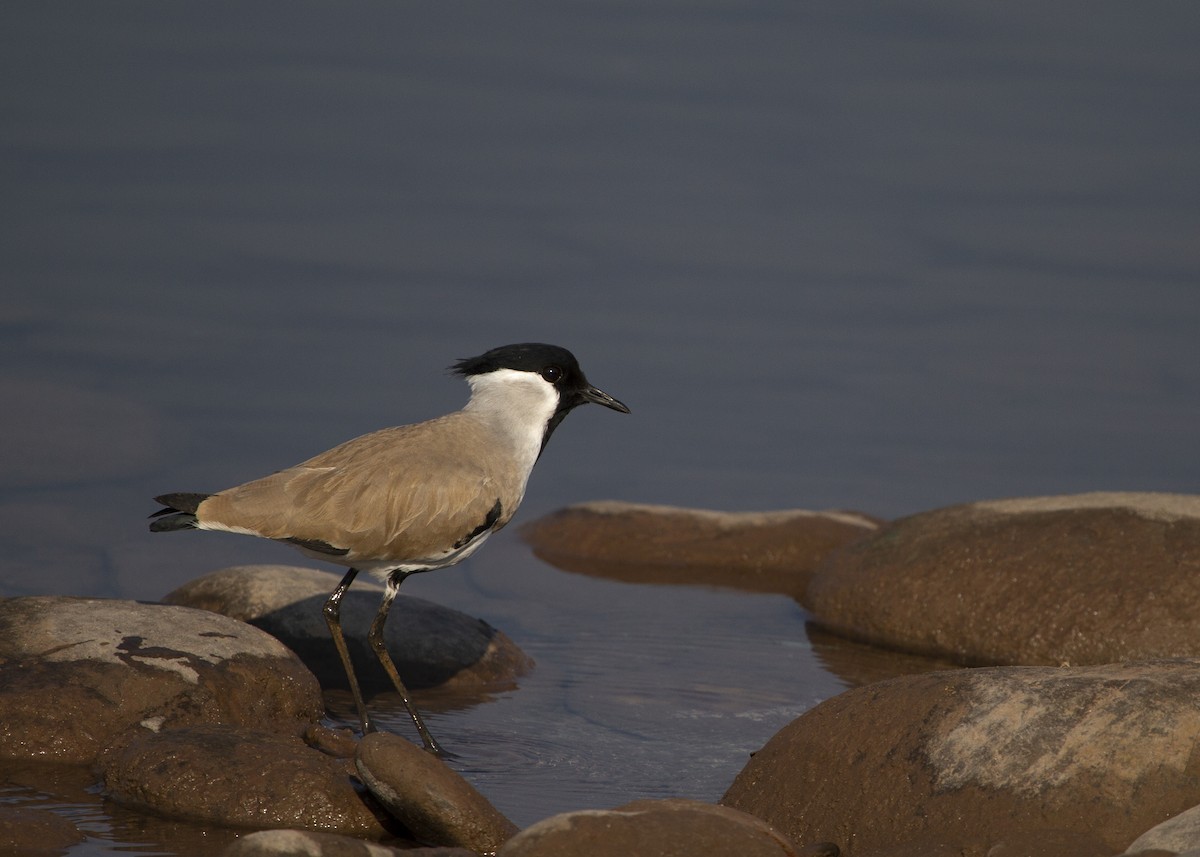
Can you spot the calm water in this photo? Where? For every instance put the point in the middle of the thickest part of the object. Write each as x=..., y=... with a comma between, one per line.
x=881, y=259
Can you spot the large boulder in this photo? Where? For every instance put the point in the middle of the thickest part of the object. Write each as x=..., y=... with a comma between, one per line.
x=650, y=828
x=433, y=646
x=636, y=542
x=1083, y=579
x=969, y=760
x=77, y=672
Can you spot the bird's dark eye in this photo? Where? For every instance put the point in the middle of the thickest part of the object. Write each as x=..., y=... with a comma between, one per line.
x=552, y=374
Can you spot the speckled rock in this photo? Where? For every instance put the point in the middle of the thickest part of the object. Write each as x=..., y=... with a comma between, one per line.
x=433, y=646
x=650, y=828
x=757, y=551
x=1083, y=579
x=974, y=759
x=239, y=777
x=77, y=672
x=433, y=802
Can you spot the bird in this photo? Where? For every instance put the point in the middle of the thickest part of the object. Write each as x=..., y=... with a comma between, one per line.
x=410, y=498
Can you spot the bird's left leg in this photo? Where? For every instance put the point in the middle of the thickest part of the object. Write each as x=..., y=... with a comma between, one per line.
x=375, y=638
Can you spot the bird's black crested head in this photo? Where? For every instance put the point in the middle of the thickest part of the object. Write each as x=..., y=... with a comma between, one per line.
x=555, y=365
x=524, y=357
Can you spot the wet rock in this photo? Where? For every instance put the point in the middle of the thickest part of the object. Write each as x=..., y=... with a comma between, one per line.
x=757, y=551
x=77, y=672
x=431, y=645
x=239, y=777
x=973, y=758
x=433, y=802
x=28, y=832
x=650, y=827
x=1178, y=834
x=1084, y=579
x=308, y=843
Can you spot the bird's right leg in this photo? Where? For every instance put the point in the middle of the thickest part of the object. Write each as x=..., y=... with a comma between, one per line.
x=333, y=618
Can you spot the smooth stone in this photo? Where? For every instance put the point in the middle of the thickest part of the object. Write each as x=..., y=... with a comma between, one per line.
x=1080, y=579
x=670, y=826
x=1177, y=834
x=433, y=646
x=974, y=758
x=239, y=777
x=30, y=832
x=433, y=802
x=636, y=542
x=309, y=843
x=77, y=672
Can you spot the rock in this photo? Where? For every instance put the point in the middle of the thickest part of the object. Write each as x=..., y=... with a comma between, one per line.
x=974, y=758
x=437, y=805
x=757, y=551
x=431, y=645
x=648, y=828
x=1176, y=834
x=77, y=672
x=1085, y=579
x=239, y=777
x=29, y=832
x=308, y=843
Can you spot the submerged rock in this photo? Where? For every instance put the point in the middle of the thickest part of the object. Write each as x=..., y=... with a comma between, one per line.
x=971, y=760
x=433, y=802
x=31, y=832
x=672, y=826
x=433, y=646
x=1084, y=579
x=757, y=551
x=239, y=777
x=77, y=672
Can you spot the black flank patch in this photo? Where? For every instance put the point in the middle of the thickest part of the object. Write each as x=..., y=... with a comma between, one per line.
x=488, y=522
x=318, y=546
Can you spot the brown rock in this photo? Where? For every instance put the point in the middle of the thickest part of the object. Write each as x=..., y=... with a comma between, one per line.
x=1091, y=578
x=975, y=758
x=649, y=828
x=310, y=843
x=433, y=646
x=77, y=672
x=437, y=805
x=28, y=832
x=239, y=777
x=756, y=551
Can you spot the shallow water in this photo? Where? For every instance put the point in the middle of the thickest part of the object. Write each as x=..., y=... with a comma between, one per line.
x=831, y=257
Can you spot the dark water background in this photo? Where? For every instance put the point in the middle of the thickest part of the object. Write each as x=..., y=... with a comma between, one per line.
x=881, y=257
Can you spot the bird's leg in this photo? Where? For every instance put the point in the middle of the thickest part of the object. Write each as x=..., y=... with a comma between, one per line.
x=333, y=618
x=375, y=638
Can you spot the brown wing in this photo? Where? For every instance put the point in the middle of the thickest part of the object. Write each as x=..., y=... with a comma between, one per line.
x=398, y=494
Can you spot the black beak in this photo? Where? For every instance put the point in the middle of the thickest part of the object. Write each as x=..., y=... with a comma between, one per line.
x=599, y=397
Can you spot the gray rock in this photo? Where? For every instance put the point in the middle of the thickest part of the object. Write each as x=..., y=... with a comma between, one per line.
x=239, y=777
x=1180, y=833
x=1082, y=579
x=979, y=758
x=648, y=827
x=76, y=672
x=437, y=805
x=432, y=645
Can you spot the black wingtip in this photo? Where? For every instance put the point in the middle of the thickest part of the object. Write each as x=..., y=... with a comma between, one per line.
x=178, y=512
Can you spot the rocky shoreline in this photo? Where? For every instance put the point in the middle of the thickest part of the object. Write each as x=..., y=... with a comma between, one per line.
x=1072, y=728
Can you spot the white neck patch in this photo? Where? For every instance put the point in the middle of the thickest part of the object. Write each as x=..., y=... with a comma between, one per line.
x=518, y=405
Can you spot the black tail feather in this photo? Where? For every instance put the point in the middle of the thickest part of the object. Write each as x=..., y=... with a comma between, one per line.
x=178, y=512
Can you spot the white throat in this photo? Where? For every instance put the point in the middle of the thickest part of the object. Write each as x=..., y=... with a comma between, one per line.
x=517, y=406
